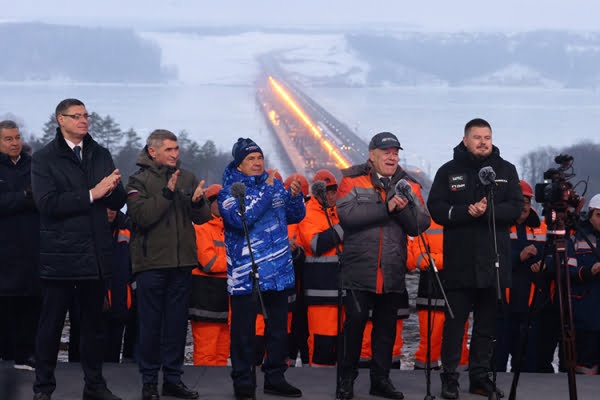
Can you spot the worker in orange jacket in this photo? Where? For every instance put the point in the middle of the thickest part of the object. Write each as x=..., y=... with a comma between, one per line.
x=417, y=258
x=209, y=302
x=320, y=270
x=527, y=240
x=298, y=331
x=320, y=279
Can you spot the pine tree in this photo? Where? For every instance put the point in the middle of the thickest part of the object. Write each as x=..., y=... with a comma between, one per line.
x=125, y=159
x=49, y=130
x=108, y=133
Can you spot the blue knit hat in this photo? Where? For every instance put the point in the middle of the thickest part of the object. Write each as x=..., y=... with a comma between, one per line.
x=242, y=148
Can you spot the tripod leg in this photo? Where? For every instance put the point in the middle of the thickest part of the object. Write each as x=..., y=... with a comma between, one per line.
x=566, y=314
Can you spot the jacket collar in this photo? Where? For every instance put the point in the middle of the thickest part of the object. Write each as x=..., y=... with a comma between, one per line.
x=232, y=175
x=215, y=221
x=145, y=161
x=5, y=159
x=463, y=156
x=399, y=174
x=533, y=219
x=61, y=145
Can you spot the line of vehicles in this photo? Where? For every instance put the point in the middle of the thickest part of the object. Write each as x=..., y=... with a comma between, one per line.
x=310, y=136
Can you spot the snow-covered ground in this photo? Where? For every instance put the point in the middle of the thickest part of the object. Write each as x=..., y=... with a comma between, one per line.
x=231, y=59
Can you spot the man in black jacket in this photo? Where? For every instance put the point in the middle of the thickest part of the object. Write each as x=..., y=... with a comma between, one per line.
x=19, y=240
x=460, y=202
x=74, y=180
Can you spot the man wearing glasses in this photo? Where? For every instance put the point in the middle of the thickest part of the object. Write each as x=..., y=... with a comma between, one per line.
x=74, y=181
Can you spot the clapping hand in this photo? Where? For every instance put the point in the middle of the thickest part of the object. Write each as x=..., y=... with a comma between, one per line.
x=397, y=203
x=295, y=187
x=271, y=178
x=478, y=209
x=173, y=181
x=106, y=185
x=198, y=193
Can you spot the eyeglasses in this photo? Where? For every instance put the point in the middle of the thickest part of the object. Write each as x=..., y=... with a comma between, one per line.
x=77, y=117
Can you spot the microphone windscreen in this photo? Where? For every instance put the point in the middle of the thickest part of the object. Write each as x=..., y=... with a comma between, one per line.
x=238, y=190
x=403, y=188
x=487, y=175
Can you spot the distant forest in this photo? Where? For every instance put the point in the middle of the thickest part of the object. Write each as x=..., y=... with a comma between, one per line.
x=570, y=59
x=204, y=160
x=36, y=51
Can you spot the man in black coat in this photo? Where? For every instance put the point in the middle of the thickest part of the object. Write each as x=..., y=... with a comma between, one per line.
x=19, y=240
x=74, y=180
x=461, y=203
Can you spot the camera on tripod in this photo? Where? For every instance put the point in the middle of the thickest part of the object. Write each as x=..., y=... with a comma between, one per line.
x=561, y=203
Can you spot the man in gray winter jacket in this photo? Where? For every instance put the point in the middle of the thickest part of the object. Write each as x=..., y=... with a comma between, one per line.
x=376, y=223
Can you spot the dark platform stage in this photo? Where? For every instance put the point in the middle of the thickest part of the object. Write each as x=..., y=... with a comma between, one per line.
x=316, y=383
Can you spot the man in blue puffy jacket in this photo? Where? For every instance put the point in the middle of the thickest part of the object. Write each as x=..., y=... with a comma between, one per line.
x=269, y=208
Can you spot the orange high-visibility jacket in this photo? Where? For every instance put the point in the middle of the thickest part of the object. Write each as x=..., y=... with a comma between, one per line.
x=209, y=301
x=434, y=238
x=520, y=295
x=320, y=265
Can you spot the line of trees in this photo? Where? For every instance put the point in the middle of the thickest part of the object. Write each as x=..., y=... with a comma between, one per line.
x=37, y=53
x=204, y=160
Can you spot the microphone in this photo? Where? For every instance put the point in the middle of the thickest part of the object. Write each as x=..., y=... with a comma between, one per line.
x=487, y=175
x=403, y=189
x=238, y=190
x=318, y=190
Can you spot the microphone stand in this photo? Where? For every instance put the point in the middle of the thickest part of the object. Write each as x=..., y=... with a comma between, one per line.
x=432, y=271
x=254, y=277
x=494, y=393
x=520, y=356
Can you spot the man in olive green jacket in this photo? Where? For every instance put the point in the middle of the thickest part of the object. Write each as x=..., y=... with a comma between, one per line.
x=162, y=203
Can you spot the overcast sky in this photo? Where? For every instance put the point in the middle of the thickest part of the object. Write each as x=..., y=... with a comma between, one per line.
x=428, y=15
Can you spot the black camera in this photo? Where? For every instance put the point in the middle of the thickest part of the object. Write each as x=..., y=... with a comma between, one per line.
x=561, y=203
x=558, y=193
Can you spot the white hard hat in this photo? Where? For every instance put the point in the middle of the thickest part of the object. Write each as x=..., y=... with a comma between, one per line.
x=594, y=202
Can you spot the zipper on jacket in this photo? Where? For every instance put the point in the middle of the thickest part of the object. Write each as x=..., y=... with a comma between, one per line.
x=88, y=175
x=177, y=230
x=176, y=219
x=377, y=288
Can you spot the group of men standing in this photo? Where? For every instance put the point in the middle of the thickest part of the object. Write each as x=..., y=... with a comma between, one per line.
x=63, y=193
x=74, y=181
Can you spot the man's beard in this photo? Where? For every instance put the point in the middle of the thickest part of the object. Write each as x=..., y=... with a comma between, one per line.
x=480, y=156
